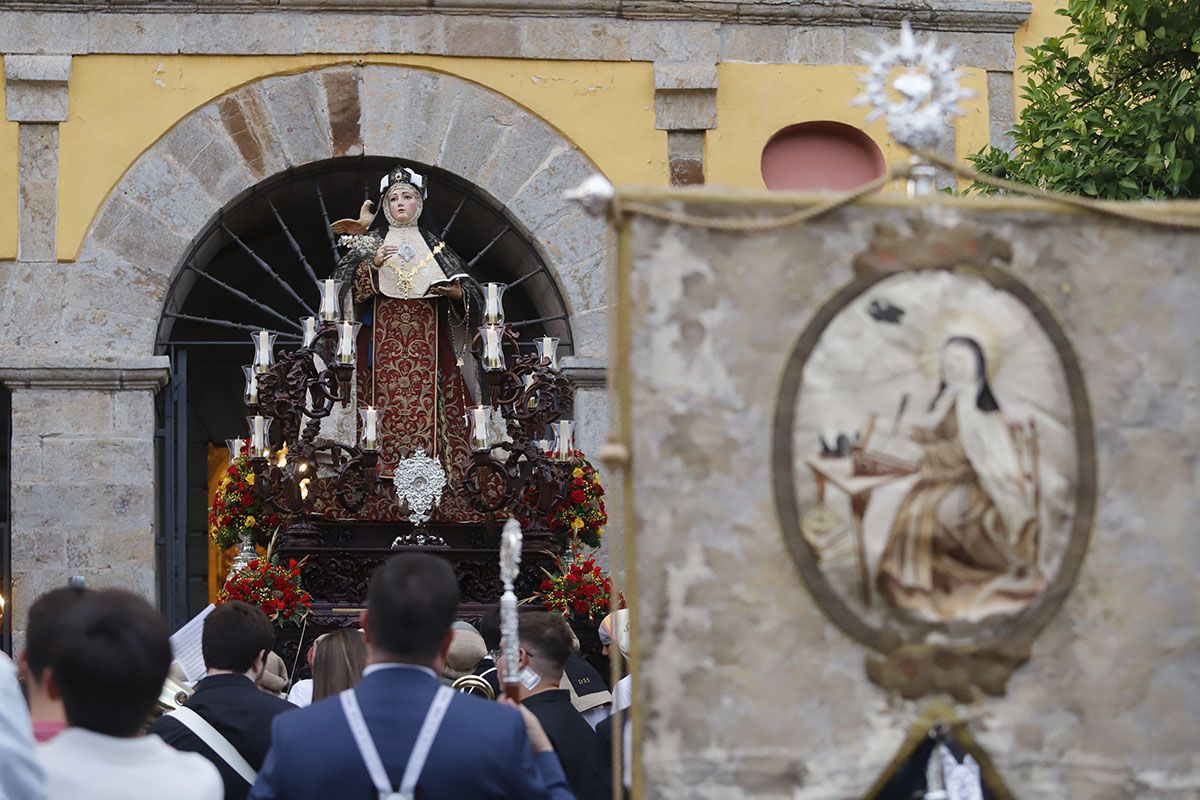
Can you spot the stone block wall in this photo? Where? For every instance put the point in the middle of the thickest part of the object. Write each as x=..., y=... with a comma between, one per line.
x=744, y=687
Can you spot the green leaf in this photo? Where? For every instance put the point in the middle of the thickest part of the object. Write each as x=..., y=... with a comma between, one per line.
x=1139, y=39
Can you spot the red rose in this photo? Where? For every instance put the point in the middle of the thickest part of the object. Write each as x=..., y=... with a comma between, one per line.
x=577, y=496
x=581, y=606
x=547, y=585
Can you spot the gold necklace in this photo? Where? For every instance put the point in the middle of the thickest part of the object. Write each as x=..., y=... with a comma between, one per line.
x=405, y=278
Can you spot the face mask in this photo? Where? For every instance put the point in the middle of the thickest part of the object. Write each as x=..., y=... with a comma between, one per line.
x=529, y=679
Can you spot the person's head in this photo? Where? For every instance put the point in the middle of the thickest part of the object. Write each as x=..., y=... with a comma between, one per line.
x=338, y=661
x=489, y=629
x=545, y=647
x=45, y=626
x=411, y=603
x=236, y=638
x=402, y=204
x=963, y=366
x=466, y=651
x=614, y=630
x=110, y=662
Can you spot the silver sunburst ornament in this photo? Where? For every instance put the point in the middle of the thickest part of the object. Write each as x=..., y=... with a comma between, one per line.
x=918, y=101
x=419, y=482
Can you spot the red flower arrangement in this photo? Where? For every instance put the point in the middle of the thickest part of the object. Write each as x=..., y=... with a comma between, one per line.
x=237, y=509
x=579, y=590
x=581, y=515
x=270, y=587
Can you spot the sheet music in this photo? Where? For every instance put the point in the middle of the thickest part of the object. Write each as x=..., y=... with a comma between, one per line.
x=185, y=645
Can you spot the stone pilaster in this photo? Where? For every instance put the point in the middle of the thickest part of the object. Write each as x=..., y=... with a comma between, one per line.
x=36, y=92
x=83, y=480
x=685, y=106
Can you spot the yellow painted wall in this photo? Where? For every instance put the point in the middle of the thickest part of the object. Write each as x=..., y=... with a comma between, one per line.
x=755, y=101
x=8, y=183
x=120, y=105
x=1043, y=22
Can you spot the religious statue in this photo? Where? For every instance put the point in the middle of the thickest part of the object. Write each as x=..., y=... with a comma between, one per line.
x=964, y=539
x=418, y=310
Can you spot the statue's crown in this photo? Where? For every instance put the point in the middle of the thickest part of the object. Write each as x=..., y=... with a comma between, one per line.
x=404, y=175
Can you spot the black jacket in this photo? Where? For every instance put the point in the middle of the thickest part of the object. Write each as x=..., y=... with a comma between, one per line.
x=240, y=712
x=568, y=731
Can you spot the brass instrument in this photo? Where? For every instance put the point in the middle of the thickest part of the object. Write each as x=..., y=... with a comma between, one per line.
x=474, y=684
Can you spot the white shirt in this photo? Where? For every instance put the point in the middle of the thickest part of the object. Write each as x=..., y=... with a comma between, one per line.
x=301, y=693
x=622, y=694
x=80, y=763
x=20, y=773
x=397, y=665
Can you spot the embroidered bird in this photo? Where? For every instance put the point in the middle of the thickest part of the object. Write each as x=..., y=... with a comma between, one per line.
x=357, y=227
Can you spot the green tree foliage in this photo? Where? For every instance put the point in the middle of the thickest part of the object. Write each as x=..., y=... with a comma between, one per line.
x=1113, y=104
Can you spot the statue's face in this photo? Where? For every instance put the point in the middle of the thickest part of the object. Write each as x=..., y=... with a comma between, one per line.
x=402, y=204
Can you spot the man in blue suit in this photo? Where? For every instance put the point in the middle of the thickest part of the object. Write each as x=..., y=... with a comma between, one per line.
x=400, y=733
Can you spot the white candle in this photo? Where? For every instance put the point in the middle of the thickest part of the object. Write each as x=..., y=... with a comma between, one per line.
x=547, y=350
x=345, y=352
x=493, y=305
x=260, y=428
x=370, y=428
x=250, y=395
x=563, y=435
x=263, y=357
x=478, y=419
x=493, y=353
x=310, y=331
x=329, y=304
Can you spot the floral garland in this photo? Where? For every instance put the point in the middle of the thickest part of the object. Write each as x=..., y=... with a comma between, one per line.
x=270, y=587
x=236, y=508
x=581, y=516
x=578, y=589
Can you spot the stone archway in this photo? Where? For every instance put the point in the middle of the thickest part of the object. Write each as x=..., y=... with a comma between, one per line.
x=220, y=150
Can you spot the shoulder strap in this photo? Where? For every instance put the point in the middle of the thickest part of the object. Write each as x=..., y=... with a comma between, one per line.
x=366, y=746
x=429, y=732
x=212, y=737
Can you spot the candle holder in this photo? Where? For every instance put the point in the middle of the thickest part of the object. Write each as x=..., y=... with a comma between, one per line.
x=260, y=435
x=492, y=341
x=347, y=337
x=264, y=350
x=370, y=428
x=250, y=392
x=237, y=447
x=310, y=332
x=329, y=310
x=493, y=303
x=479, y=428
x=547, y=350
x=564, y=439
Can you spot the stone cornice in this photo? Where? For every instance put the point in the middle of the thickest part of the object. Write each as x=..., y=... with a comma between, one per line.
x=995, y=16
x=142, y=374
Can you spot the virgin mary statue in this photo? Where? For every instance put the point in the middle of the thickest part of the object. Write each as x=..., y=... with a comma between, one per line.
x=964, y=541
x=418, y=308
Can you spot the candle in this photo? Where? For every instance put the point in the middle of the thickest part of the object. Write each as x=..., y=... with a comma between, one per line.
x=264, y=356
x=310, y=331
x=493, y=352
x=250, y=394
x=236, y=448
x=564, y=448
x=329, y=301
x=547, y=350
x=530, y=397
x=260, y=430
x=370, y=434
x=493, y=303
x=347, y=333
x=478, y=430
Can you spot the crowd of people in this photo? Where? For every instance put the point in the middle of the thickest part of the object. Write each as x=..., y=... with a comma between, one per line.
x=381, y=716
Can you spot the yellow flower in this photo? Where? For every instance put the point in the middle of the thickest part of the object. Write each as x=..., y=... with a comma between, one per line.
x=578, y=473
x=250, y=479
x=596, y=480
x=225, y=481
x=251, y=522
x=576, y=524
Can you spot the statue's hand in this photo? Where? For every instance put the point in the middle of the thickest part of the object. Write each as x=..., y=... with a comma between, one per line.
x=451, y=290
x=384, y=252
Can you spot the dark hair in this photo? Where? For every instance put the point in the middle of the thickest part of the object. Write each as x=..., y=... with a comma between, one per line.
x=985, y=401
x=411, y=604
x=111, y=661
x=547, y=639
x=234, y=633
x=338, y=662
x=47, y=616
x=489, y=629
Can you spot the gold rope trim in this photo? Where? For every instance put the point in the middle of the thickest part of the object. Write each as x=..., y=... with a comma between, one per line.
x=1120, y=210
